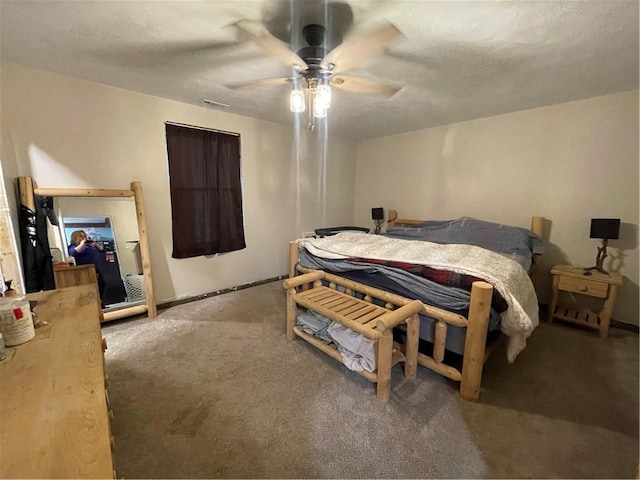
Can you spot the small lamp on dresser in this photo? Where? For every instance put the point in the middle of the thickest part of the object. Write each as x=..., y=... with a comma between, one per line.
x=605, y=229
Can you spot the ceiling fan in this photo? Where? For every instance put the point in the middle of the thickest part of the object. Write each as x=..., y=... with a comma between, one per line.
x=315, y=68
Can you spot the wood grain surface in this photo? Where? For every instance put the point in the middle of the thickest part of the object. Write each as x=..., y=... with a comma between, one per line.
x=53, y=414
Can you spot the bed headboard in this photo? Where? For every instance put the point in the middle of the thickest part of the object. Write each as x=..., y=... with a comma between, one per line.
x=393, y=219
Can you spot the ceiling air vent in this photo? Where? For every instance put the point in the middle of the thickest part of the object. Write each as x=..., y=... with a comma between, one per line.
x=213, y=103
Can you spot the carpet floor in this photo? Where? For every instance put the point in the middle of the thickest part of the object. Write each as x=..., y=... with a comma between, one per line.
x=213, y=389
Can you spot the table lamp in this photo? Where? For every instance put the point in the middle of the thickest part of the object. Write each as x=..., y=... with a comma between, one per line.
x=606, y=229
x=377, y=215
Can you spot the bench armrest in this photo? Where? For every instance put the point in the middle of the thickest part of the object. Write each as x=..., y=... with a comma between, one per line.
x=302, y=279
x=392, y=319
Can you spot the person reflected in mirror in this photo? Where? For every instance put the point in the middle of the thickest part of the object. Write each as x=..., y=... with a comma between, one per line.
x=87, y=252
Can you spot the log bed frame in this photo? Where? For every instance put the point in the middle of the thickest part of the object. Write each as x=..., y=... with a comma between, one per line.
x=476, y=351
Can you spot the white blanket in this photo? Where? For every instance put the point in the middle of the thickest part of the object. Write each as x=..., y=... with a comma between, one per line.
x=506, y=276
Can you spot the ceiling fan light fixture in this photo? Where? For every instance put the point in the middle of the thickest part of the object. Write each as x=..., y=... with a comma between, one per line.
x=296, y=101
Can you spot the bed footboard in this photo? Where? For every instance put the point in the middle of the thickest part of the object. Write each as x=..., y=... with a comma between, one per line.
x=476, y=324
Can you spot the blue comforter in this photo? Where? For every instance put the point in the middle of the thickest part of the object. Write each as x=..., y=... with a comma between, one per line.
x=516, y=243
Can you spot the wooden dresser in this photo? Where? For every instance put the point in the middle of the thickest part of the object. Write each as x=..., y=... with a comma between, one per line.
x=75, y=275
x=53, y=400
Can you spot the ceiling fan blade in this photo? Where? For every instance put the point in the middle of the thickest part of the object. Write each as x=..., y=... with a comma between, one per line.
x=169, y=55
x=270, y=44
x=359, y=48
x=265, y=82
x=357, y=84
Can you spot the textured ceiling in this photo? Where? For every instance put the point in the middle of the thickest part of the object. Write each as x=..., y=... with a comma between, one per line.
x=459, y=61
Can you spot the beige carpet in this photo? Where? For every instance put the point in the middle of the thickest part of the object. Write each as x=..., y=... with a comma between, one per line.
x=213, y=389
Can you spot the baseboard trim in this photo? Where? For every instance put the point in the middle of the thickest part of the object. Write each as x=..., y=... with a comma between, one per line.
x=162, y=306
x=182, y=301
x=630, y=327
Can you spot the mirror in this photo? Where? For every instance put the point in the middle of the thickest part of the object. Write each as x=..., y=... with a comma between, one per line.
x=115, y=220
x=112, y=223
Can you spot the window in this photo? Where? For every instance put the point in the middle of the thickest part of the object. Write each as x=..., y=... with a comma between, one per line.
x=206, y=192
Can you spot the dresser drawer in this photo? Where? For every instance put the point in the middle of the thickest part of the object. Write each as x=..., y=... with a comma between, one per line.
x=585, y=287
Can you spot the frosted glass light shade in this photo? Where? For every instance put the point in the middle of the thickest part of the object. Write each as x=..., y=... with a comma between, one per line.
x=296, y=101
x=319, y=108
x=323, y=96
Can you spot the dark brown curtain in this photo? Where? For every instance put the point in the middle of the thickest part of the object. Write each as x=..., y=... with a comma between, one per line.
x=206, y=193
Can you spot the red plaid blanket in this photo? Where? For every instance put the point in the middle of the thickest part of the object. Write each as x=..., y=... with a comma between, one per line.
x=443, y=277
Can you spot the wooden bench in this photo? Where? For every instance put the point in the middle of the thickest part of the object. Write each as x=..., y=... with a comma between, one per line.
x=363, y=317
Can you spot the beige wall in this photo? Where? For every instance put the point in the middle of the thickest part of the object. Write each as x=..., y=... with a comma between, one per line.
x=72, y=133
x=569, y=162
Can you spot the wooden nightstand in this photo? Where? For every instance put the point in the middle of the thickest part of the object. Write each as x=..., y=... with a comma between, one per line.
x=572, y=279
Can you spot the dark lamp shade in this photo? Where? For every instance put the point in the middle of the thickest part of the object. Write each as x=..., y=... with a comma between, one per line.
x=608, y=228
x=377, y=213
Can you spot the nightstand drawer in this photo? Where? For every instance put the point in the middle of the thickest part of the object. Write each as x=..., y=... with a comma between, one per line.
x=585, y=287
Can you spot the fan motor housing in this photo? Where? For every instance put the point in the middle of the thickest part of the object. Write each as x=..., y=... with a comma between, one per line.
x=312, y=55
x=314, y=35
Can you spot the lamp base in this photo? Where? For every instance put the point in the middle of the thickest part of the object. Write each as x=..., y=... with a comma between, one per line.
x=598, y=268
x=602, y=254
